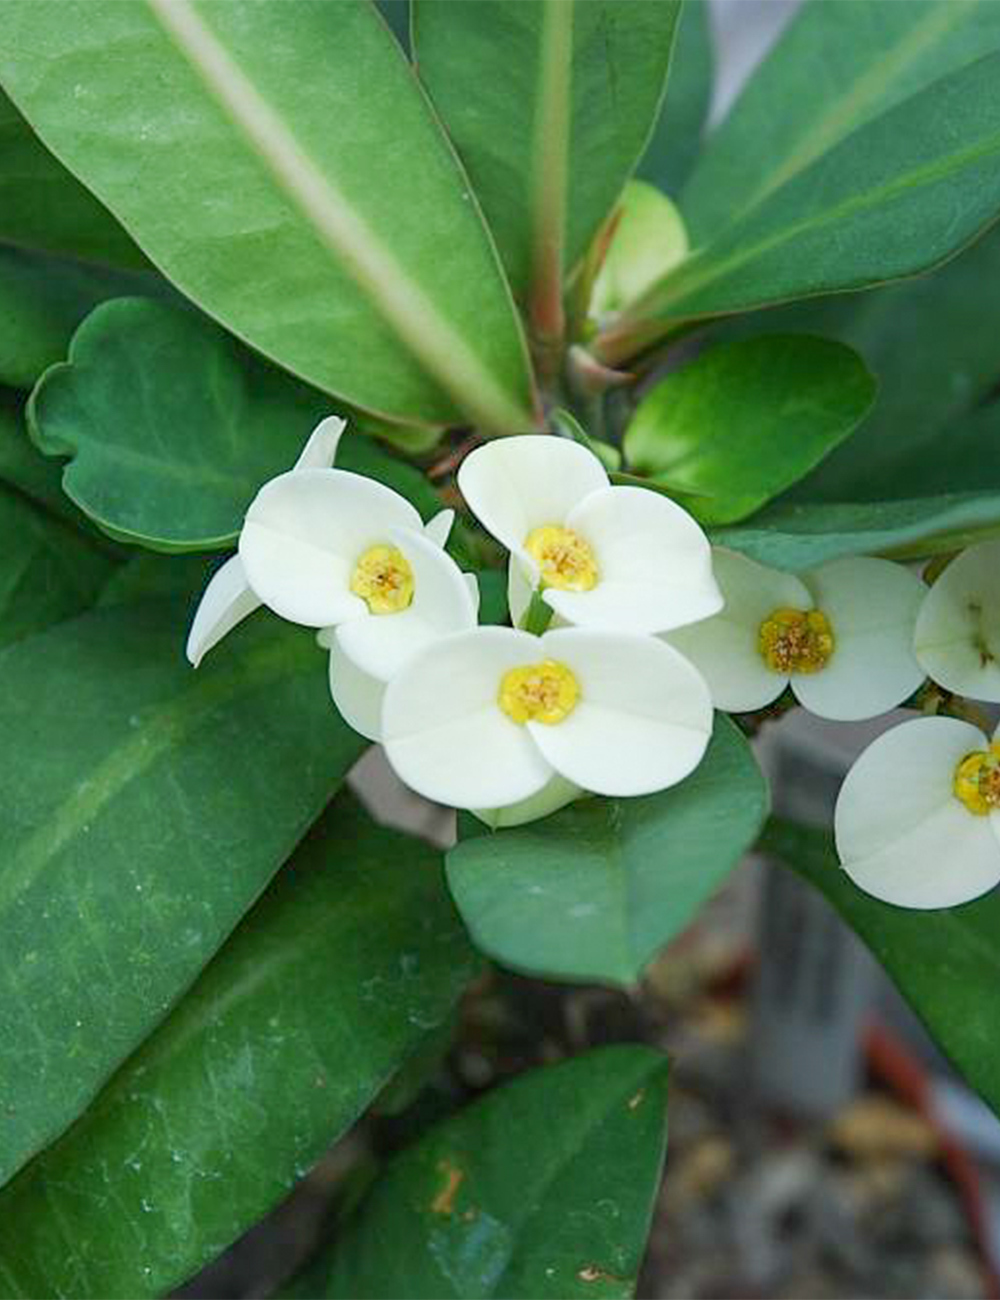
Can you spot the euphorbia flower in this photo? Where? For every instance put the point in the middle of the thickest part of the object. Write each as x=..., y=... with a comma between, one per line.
x=489, y=718
x=958, y=629
x=917, y=821
x=841, y=635
x=427, y=596
x=621, y=558
x=310, y=550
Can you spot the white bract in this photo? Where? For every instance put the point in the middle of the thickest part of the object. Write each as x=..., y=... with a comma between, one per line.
x=490, y=718
x=841, y=635
x=324, y=547
x=618, y=558
x=958, y=630
x=917, y=821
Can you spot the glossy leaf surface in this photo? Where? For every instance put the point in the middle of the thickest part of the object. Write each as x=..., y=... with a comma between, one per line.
x=593, y=891
x=543, y=1188
x=147, y=807
x=352, y=955
x=292, y=135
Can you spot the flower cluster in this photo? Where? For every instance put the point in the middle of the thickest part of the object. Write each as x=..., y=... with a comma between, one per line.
x=495, y=720
x=917, y=822
x=644, y=630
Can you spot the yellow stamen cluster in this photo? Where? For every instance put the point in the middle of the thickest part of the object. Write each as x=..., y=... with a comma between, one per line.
x=977, y=780
x=564, y=557
x=383, y=579
x=545, y=692
x=795, y=640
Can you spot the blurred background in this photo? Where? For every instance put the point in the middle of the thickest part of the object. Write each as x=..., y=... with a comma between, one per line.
x=819, y=1144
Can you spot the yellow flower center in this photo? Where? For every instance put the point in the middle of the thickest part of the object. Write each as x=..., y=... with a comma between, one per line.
x=545, y=692
x=383, y=579
x=977, y=780
x=795, y=640
x=565, y=559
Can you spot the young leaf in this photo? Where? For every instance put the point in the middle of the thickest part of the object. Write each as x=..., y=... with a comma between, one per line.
x=324, y=990
x=901, y=194
x=278, y=162
x=592, y=892
x=48, y=570
x=543, y=1188
x=550, y=103
x=746, y=420
x=43, y=206
x=676, y=140
x=872, y=56
x=147, y=805
x=796, y=536
x=945, y=963
x=931, y=342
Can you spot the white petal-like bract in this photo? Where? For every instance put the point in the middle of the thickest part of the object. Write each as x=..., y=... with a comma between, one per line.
x=226, y=601
x=902, y=834
x=872, y=606
x=303, y=534
x=957, y=638
x=724, y=648
x=513, y=485
x=640, y=722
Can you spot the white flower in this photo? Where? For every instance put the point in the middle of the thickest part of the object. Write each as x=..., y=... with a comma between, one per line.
x=917, y=821
x=303, y=539
x=958, y=630
x=489, y=718
x=841, y=635
x=620, y=558
x=369, y=648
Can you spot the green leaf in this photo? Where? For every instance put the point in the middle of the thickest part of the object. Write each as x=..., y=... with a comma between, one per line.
x=649, y=240
x=42, y=300
x=676, y=140
x=594, y=891
x=901, y=194
x=150, y=576
x=543, y=1188
x=44, y=206
x=932, y=344
x=48, y=572
x=840, y=67
x=278, y=162
x=170, y=426
x=24, y=468
x=746, y=420
x=147, y=805
x=329, y=984
x=945, y=963
x=793, y=536
x=550, y=103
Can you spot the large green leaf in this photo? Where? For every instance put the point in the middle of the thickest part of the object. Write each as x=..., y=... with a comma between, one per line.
x=834, y=68
x=147, y=805
x=592, y=892
x=278, y=162
x=945, y=963
x=42, y=300
x=931, y=342
x=42, y=205
x=793, y=536
x=543, y=1188
x=746, y=420
x=901, y=194
x=676, y=140
x=550, y=103
x=48, y=571
x=334, y=978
